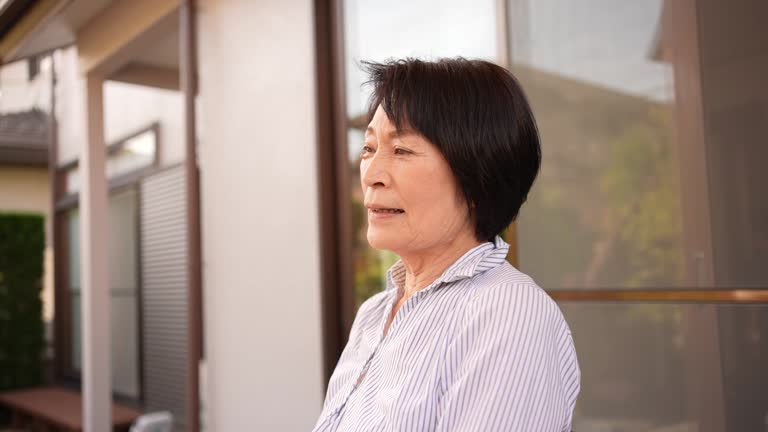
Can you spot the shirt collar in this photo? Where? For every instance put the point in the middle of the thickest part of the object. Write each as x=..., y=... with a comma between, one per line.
x=477, y=260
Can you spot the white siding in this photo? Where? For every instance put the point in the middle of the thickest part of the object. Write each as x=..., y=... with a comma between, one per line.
x=260, y=215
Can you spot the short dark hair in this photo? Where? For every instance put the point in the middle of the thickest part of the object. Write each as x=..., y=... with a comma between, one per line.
x=476, y=114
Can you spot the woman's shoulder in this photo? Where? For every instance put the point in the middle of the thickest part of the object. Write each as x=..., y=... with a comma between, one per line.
x=508, y=290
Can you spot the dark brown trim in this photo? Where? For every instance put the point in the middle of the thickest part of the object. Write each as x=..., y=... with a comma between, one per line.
x=188, y=70
x=61, y=314
x=667, y=295
x=66, y=373
x=344, y=203
x=328, y=135
x=139, y=295
x=56, y=229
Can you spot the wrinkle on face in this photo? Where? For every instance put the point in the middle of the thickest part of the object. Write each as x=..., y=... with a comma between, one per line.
x=402, y=169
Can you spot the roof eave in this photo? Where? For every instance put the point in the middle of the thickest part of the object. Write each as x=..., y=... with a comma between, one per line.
x=20, y=20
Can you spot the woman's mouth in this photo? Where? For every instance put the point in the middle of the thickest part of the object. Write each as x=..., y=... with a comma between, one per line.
x=387, y=210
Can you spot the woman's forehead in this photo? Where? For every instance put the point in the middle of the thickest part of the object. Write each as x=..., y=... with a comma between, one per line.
x=381, y=125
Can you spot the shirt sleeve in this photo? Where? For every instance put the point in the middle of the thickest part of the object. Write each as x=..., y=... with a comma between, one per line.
x=511, y=365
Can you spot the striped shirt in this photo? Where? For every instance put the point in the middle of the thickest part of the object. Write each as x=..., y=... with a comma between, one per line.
x=482, y=348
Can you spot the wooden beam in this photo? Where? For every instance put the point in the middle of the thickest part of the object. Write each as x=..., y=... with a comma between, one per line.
x=148, y=75
x=103, y=40
x=723, y=295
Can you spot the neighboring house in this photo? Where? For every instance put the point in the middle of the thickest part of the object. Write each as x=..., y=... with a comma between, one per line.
x=25, y=183
x=24, y=179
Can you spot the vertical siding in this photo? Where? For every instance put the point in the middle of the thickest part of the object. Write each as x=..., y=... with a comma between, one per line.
x=164, y=296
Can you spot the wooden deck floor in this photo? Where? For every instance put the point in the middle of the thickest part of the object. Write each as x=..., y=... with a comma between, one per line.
x=57, y=408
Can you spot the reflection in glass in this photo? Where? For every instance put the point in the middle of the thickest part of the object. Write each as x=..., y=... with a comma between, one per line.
x=123, y=284
x=134, y=153
x=605, y=211
x=381, y=30
x=131, y=155
x=670, y=367
x=73, y=255
x=652, y=173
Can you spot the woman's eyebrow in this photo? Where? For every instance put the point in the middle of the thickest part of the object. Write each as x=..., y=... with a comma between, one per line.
x=392, y=134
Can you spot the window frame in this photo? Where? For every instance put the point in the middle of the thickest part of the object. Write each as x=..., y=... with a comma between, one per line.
x=333, y=180
x=64, y=371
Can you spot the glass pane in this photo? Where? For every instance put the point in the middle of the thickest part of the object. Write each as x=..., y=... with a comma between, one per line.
x=125, y=351
x=376, y=30
x=123, y=285
x=133, y=154
x=77, y=344
x=670, y=367
x=73, y=261
x=73, y=252
x=73, y=180
x=123, y=236
x=381, y=30
x=637, y=190
x=123, y=276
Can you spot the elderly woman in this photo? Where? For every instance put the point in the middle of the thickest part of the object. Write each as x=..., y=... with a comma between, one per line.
x=459, y=340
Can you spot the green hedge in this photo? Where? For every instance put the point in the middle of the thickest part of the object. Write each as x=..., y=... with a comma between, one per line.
x=22, y=242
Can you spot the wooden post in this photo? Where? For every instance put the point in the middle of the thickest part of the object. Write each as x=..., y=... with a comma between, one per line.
x=95, y=328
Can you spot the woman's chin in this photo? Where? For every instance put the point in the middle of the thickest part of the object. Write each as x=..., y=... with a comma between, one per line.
x=380, y=240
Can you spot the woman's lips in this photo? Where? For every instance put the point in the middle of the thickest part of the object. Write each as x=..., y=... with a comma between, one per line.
x=384, y=213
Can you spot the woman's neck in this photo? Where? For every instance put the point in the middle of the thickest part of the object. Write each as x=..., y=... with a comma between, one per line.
x=423, y=267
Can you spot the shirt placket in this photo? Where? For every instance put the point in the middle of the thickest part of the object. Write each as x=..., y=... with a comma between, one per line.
x=401, y=314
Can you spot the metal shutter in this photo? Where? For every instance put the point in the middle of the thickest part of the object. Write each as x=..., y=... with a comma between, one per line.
x=164, y=292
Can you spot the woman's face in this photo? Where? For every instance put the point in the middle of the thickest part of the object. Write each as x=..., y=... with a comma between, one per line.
x=411, y=195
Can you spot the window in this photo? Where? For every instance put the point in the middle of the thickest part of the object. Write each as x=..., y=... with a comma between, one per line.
x=127, y=160
x=123, y=287
x=128, y=156
x=648, y=223
x=427, y=29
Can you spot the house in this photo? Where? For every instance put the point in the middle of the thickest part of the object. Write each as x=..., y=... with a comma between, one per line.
x=206, y=244
x=24, y=180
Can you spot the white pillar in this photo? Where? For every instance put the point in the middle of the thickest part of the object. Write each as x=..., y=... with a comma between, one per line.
x=95, y=327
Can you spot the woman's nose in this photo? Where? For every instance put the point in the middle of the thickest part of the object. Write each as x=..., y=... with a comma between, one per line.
x=374, y=171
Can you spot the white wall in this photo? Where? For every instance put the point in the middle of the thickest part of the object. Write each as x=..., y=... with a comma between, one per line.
x=70, y=107
x=260, y=215
x=21, y=94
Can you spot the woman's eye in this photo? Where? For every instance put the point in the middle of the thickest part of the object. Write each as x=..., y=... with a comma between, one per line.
x=366, y=150
x=399, y=151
